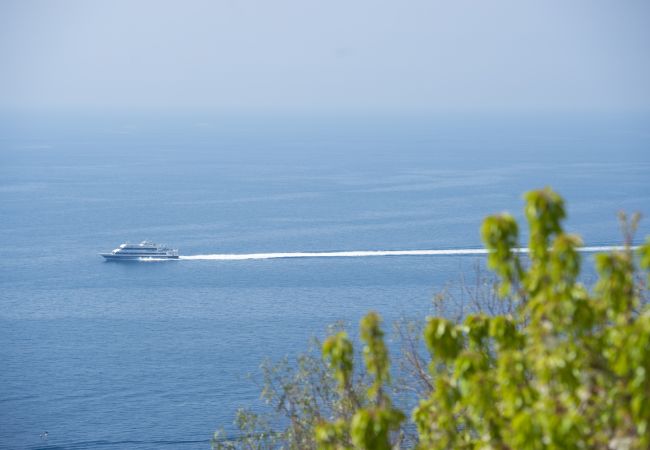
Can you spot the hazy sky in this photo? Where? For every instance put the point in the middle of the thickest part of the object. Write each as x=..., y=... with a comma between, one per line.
x=348, y=55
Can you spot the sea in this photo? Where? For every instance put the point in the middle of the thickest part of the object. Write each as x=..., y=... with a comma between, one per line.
x=160, y=354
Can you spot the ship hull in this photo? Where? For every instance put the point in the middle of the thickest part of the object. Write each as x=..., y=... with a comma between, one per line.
x=112, y=257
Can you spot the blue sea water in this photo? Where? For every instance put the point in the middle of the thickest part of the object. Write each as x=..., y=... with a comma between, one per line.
x=155, y=355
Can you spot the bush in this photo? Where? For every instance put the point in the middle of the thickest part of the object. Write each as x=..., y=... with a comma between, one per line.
x=569, y=368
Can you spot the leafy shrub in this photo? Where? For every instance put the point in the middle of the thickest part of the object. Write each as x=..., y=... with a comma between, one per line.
x=568, y=368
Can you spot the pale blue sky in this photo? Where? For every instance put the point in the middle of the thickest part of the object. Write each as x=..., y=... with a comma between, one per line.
x=333, y=55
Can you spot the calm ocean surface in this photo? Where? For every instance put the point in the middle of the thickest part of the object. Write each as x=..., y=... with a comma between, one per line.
x=155, y=355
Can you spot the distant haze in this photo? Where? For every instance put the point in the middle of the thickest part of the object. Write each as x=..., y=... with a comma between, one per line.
x=334, y=55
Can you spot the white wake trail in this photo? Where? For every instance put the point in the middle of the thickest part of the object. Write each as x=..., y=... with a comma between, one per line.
x=367, y=253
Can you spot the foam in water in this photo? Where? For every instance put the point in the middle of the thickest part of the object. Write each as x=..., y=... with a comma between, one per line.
x=367, y=253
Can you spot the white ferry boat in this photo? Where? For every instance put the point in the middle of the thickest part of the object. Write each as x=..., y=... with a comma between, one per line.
x=143, y=251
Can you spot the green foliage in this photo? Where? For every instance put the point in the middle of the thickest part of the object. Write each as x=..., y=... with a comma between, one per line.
x=370, y=426
x=569, y=369
x=375, y=354
x=560, y=366
x=500, y=236
x=644, y=251
x=338, y=350
x=302, y=394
